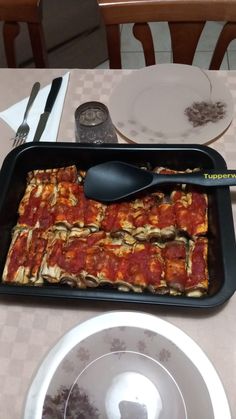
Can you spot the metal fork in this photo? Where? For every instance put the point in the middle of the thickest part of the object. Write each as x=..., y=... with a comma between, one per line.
x=23, y=130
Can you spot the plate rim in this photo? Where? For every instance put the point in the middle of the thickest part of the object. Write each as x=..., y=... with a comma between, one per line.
x=34, y=401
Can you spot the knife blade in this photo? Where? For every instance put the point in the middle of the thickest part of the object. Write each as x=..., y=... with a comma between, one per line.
x=55, y=87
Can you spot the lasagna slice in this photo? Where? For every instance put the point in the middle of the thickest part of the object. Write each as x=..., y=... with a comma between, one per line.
x=94, y=214
x=138, y=268
x=191, y=212
x=61, y=174
x=145, y=218
x=197, y=278
x=175, y=257
x=25, y=257
x=14, y=270
x=99, y=259
x=36, y=206
x=69, y=206
x=161, y=218
x=102, y=259
x=73, y=209
x=118, y=217
x=65, y=258
x=52, y=264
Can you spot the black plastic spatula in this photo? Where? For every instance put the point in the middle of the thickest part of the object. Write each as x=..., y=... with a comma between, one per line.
x=114, y=180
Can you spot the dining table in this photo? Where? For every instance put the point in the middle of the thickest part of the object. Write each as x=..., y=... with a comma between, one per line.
x=31, y=326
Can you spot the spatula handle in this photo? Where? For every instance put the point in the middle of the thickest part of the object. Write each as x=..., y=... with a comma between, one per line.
x=208, y=178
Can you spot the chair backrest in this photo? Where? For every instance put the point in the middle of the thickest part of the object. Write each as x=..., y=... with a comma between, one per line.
x=12, y=12
x=186, y=20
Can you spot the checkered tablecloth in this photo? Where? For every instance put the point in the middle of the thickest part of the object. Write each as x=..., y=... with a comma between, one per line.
x=29, y=328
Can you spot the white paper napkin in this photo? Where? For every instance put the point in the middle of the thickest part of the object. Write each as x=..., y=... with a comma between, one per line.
x=13, y=116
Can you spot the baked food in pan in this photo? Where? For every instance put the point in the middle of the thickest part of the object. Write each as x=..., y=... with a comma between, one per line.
x=154, y=243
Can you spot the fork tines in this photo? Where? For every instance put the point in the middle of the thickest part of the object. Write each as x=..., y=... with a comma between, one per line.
x=18, y=140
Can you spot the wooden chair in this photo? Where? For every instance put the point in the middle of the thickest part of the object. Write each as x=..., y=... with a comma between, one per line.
x=186, y=19
x=29, y=11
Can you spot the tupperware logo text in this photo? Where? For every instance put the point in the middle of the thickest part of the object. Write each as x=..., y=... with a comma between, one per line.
x=219, y=176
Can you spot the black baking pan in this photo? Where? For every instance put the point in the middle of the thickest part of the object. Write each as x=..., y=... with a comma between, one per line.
x=222, y=248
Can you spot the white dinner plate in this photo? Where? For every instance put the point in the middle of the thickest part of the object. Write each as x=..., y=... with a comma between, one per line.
x=126, y=365
x=171, y=103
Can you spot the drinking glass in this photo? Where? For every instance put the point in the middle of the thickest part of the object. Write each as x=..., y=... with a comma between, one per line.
x=93, y=124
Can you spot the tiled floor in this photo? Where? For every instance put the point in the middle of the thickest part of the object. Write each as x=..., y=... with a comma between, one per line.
x=132, y=56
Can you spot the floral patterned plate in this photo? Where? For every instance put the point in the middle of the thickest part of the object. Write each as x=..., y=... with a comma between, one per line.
x=126, y=365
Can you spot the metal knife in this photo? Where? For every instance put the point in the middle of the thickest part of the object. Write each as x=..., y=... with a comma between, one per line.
x=55, y=87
